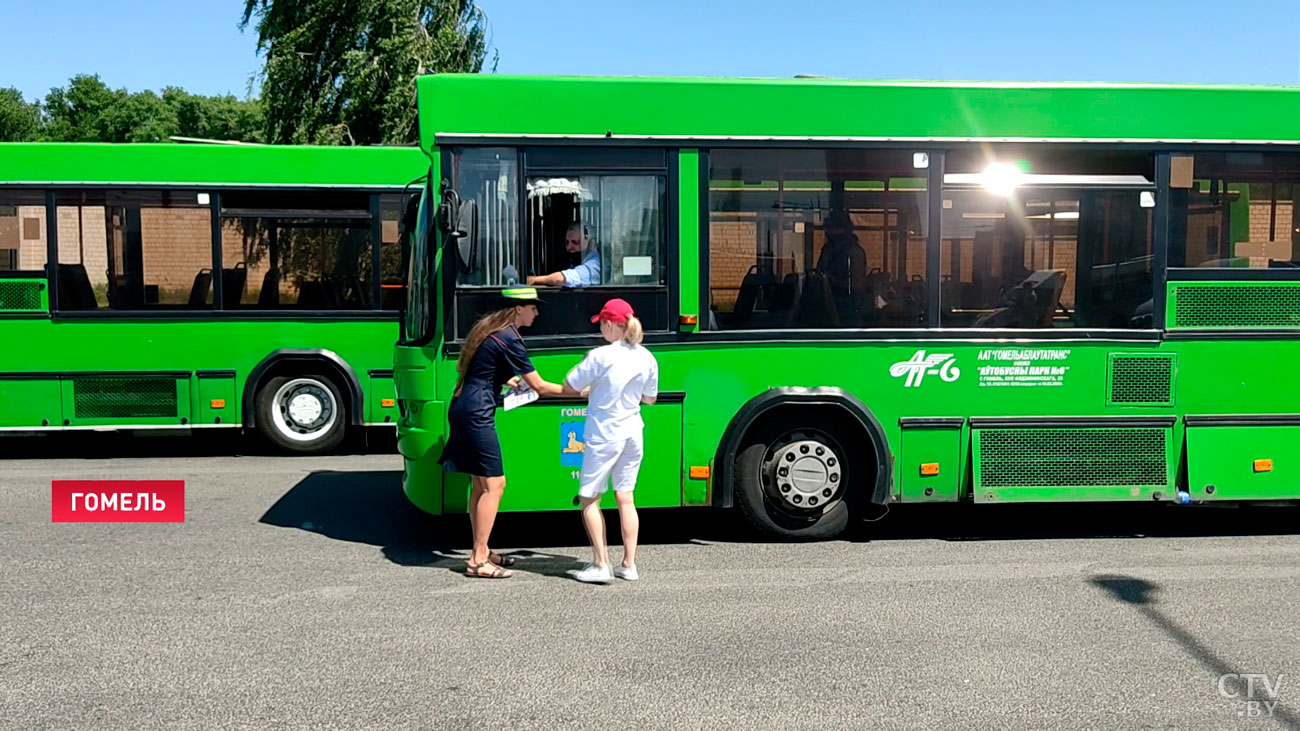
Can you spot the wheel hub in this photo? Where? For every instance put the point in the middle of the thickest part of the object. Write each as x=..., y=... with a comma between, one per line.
x=305, y=409
x=807, y=474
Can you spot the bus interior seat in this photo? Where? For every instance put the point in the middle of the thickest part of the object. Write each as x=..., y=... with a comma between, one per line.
x=751, y=288
x=75, y=292
x=270, y=295
x=787, y=295
x=199, y=291
x=311, y=295
x=350, y=293
x=331, y=288
x=233, y=282
x=816, y=305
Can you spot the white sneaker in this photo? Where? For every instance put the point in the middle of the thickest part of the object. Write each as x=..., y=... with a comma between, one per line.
x=623, y=572
x=592, y=574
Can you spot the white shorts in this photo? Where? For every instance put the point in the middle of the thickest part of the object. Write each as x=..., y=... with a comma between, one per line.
x=618, y=462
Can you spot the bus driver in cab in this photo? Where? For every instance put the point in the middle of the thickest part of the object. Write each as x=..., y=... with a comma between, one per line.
x=585, y=274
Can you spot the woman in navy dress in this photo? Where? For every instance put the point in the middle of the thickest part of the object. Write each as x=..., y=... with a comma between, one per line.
x=494, y=356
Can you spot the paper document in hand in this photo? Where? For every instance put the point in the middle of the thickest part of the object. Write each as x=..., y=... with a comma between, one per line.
x=517, y=397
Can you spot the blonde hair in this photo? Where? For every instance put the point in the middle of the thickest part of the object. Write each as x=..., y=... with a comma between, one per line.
x=633, y=332
x=489, y=324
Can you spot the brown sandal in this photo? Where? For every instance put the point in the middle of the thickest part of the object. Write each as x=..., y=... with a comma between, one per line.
x=487, y=570
x=500, y=560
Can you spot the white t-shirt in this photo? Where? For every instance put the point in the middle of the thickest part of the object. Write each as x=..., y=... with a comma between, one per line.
x=619, y=375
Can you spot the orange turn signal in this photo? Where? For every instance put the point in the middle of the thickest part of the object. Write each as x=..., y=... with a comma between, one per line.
x=218, y=403
x=699, y=473
x=688, y=319
x=1263, y=465
x=929, y=469
x=388, y=403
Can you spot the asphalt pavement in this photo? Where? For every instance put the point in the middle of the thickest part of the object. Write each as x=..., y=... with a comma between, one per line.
x=306, y=593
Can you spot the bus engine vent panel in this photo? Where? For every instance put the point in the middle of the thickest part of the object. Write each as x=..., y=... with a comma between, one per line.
x=1140, y=380
x=1204, y=305
x=18, y=295
x=121, y=398
x=1066, y=458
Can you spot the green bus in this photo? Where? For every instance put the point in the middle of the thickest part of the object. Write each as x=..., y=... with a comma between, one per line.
x=201, y=286
x=868, y=293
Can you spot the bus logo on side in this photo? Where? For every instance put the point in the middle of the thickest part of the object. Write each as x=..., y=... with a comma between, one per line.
x=919, y=365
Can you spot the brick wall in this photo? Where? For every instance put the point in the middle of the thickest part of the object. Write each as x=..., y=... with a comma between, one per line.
x=1282, y=231
x=253, y=248
x=176, y=244
x=23, y=232
x=732, y=245
x=83, y=239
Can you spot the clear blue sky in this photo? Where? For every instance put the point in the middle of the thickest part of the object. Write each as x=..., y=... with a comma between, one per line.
x=197, y=45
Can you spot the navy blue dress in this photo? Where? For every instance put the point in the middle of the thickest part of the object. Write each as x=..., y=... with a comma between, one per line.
x=472, y=444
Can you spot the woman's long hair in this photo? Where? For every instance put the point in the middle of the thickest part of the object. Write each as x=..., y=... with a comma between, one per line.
x=489, y=324
x=633, y=332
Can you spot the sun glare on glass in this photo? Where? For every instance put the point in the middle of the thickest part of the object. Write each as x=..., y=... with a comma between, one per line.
x=1001, y=178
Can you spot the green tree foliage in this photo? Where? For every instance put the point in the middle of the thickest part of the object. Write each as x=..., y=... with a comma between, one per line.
x=87, y=110
x=19, y=121
x=343, y=71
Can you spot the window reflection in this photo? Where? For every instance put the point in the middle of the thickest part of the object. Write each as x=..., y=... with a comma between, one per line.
x=1234, y=210
x=22, y=231
x=1047, y=238
x=816, y=239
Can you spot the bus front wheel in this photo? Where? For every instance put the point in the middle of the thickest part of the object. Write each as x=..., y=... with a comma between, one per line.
x=301, y=414
x=798, y=485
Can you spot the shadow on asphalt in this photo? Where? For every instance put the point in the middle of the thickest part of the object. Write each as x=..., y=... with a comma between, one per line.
x=204, y=443
x=1143, y=596
x=370, y=508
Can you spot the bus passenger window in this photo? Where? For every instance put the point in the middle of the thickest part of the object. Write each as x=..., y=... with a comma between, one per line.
x=130, y=250
x=486, y=188
x=816, y=239
x=1042, y=239
x=298, y=250
x=22, y=232
x=595, y=230
x=1239, y=212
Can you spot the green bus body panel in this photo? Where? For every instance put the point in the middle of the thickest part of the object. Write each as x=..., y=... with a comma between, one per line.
x=945, y=447
x=689, y=233
x=716, y=390
x=31, y=403
x=88, y=163
x=221, y=390
x=136, y=343
x=542, y=450
x=77, y=351
x=380, y=389
x=1002, y=399
x=1221, y=459
x=701, y=107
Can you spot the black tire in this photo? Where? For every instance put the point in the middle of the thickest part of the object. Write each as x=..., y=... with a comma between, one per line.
x=755, y=492
x=276, y=423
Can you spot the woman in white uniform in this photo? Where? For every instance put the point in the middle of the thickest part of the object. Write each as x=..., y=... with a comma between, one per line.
x=622, y=376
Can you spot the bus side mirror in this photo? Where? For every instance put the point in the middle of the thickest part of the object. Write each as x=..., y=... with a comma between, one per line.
x=458, y=221
x=448, y=210
x=466, y=234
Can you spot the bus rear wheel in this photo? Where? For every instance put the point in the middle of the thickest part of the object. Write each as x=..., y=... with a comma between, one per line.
x=798, y=485
x=301, y=414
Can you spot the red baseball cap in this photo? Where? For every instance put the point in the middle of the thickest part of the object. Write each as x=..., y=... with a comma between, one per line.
x=615, y=310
